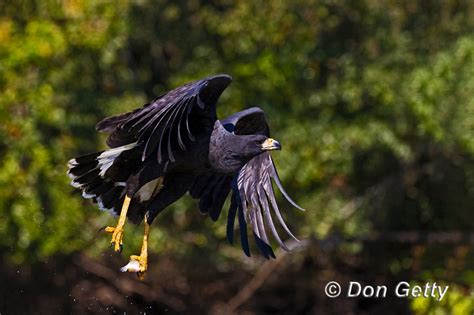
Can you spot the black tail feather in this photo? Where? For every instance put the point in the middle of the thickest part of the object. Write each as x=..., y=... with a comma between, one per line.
x=97, y=175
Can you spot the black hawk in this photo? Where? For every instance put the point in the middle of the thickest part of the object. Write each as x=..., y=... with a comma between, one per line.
x=174, y=145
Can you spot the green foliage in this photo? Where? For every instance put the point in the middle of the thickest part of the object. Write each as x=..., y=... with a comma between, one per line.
x=454, y=302
x=50, y=58
x=373, y=102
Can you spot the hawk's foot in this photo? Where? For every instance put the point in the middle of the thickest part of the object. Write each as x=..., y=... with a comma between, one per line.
x=117, y=232
x=138, y=264
x=117, y=236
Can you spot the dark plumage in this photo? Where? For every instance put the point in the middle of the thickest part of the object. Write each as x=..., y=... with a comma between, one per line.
x=176, y=144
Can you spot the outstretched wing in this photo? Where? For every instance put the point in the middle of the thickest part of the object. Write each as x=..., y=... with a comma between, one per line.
x=253, y=199
x=211, y=188
x=166, y=123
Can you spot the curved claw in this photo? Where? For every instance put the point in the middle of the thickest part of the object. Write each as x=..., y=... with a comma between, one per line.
x=117, y=236
x=101, y=229
x=118, y=248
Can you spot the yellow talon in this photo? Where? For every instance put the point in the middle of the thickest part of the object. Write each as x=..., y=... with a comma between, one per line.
x=139, y=264
x=117, y=236
x=117, y=232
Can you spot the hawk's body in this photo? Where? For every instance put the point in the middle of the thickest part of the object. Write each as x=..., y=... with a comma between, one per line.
x=176, y=145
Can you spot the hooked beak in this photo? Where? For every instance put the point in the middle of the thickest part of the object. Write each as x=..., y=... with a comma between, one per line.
x=271, y=144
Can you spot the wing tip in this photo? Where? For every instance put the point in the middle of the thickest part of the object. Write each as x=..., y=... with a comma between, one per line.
x=299, y=207
x=106, y=124
x=219, y=82
x=265, y=248
x=221, y=76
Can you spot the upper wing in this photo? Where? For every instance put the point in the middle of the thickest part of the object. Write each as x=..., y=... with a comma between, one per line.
x=253, y=200
x=161, y=123
x=247, y=122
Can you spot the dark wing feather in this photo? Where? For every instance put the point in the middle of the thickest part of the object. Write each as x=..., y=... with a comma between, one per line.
x=254, y=191
x=110, y=124
x=212, y=189
x=244, y=241
x=162, y=124
x=255, y=184
x=231, y=217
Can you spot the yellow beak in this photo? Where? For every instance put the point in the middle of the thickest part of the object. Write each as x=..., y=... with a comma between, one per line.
x=271, y=144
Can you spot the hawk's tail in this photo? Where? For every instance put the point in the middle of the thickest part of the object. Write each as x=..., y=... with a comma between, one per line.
x=102, y=176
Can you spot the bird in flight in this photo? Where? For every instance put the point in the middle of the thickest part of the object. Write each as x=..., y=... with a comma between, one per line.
x=176, y=145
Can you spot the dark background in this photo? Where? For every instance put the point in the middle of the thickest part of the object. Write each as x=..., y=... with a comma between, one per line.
x=373, y=102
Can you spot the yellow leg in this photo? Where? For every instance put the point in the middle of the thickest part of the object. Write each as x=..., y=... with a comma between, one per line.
x=139, y=264
x=117, y=232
